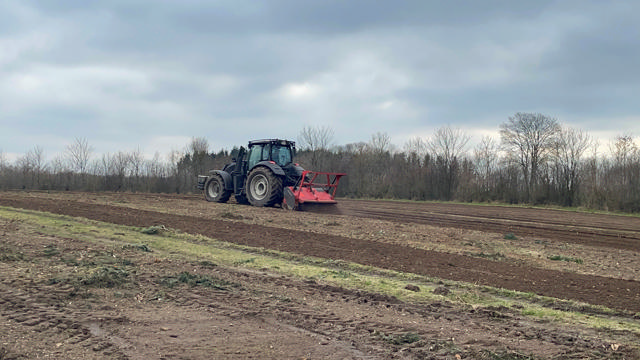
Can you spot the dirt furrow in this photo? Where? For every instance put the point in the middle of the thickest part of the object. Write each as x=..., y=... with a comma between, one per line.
x=543, y=216
x=595, y=234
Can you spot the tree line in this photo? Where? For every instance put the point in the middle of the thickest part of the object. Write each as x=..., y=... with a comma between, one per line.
x=535, y=160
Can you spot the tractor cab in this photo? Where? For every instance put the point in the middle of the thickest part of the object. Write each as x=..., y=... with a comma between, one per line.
x=279, y=151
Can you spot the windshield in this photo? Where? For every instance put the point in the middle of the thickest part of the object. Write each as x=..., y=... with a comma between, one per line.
x=281, y=155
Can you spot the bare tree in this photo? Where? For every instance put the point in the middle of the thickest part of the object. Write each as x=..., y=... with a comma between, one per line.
x=199, y=153
x=32, y=165
x=3, y=160
x=371, y=166
x=136, y=160
x=592, y=179
x=156, y=174
x=4, y=170
x=624, y=175
x=486, y=159
x=568, y=151
x=154, y=167
x=104, y=168
x=380, y=143
x=61, y=176
x=78, y=154
x=199, y=145
x=447, y=145
x=37, y=159
x=315, y=138
x=59, y=164
x=413, y=173
x=120, y=164
x=415, y=146
x=317, y=141
x=624, y=150
x=174, y=158
x=529, y=137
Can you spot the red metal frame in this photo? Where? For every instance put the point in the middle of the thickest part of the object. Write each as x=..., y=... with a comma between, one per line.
x=313, y=190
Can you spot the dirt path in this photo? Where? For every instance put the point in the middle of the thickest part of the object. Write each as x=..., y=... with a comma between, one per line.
x=611, y=292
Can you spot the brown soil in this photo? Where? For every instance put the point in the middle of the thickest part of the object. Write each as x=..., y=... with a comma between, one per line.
x=266, y=315
x=618, y=232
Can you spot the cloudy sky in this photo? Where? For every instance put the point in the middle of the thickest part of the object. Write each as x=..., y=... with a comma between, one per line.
x=152, y=74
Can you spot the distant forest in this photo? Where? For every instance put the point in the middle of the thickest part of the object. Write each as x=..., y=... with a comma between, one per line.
x=535, y=161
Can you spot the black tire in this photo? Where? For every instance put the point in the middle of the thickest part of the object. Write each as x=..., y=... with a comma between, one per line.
x=215, y=191
x=264, y=188
x=242, y=199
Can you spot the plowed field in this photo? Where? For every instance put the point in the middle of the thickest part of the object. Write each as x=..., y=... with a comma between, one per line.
x=583, y=260
x=616, y=232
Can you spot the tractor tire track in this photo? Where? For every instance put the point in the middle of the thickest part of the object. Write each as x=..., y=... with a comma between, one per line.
x=40, y=314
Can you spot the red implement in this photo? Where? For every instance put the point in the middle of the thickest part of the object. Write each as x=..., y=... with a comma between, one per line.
x=314, y=188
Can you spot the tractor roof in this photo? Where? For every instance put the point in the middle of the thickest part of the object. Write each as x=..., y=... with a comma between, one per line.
x=272, y=141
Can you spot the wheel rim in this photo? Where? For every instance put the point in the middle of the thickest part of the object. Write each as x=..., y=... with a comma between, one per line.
x=259, y=187
x=213, y=189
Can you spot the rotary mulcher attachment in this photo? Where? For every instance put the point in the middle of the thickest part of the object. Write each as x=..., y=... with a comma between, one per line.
x=314, y=188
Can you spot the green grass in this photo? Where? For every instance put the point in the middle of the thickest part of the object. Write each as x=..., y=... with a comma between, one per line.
x=139, y=247
x=207, y=264
x=106, y=277
x=245, y=261
x=490, y=256
x=401, y=339
x=153, y=230
x=565, y=258
x=51, y=250
x=10, y=253
x=190, y=279
x=98, y=277
x=335, y=274
x=231, y=216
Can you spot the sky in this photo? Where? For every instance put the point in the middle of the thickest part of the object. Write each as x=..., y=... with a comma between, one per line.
x=153, y=74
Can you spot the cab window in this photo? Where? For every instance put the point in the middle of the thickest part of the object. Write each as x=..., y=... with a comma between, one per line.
x=281, y=155
x=255, y=155
x=266, y=149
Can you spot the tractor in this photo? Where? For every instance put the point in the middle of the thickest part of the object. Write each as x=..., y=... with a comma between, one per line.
x=265, y=175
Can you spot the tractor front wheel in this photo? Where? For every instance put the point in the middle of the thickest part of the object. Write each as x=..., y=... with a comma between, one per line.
x=264, y=188
x=215, y=191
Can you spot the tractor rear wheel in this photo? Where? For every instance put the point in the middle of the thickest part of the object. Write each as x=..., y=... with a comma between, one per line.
x=264, y=188
x=215, y=191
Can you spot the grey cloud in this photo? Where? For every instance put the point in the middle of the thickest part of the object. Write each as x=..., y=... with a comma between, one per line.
x=220, y=69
